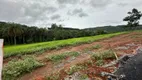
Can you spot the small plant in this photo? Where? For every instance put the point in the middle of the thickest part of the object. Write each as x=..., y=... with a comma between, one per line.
x=108, y=54
x=99, y=62
x=74, y=69
x=96, y=56
x=89, y=62
x=83, y=77
x=59, y=57
x=53, y=77
x=14, y=69
x=97, y=46
x=56, y=58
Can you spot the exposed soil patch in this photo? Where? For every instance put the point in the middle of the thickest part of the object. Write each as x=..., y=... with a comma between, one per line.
x=122, y=44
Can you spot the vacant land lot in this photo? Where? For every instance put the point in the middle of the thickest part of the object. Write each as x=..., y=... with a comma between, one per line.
x=78, y=58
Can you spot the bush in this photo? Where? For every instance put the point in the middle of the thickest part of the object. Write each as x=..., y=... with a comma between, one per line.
x=14, y=69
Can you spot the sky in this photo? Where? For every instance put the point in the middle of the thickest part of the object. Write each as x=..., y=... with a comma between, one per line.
x=69, y=13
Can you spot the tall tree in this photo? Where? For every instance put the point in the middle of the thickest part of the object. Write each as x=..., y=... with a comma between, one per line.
x=15, y=30
x=133, y=18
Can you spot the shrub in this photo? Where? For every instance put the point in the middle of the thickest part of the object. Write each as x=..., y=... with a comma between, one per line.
x=14, y=69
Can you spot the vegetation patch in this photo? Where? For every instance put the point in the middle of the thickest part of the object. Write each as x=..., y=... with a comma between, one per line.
x=97, y=46
x=99, y=62
x=60, y=57
x=75, y=68
x=14, y=69
x=53, y=77
x=44, y=46
x=108, y=54
x=83, y=76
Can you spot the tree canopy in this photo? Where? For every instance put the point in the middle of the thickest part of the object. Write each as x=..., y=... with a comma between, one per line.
x=133, y=18
x=14, y=33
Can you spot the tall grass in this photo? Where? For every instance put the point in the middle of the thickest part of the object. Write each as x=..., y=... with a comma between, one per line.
x=44, y=46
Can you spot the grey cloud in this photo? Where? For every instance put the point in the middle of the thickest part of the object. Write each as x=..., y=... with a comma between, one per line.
x=83, y=14
x=55, y=17
x=78, y=12
x=100, y=3
x=10, y=10
x=52, y=9
x=36, y=10
x=67, y=1
x=75, y=11
x=122, y=4
x=24, y=11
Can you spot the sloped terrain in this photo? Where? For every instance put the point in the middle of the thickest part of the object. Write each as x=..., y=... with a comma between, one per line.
x=82, y=61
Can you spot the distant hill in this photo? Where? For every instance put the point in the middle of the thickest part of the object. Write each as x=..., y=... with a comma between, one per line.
x=112, y=29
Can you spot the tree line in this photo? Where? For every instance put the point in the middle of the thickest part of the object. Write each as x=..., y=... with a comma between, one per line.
x=14, y=33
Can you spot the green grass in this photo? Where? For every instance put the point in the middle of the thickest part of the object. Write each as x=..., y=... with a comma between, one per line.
x=59, y=57
x=16, y=68
x=55, y=76
x=75, y=68
x=97, y=46
x=99, y=62
x=108, y=54
x=44, y=46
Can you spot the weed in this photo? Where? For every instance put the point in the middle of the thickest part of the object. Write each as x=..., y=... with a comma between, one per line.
x=97, y=46
x=108, y=54
x=74, y=69
x=59, y=57
x=96, y=56
x=53, y=77
x=89, y=62
x=14, y=69
x=83, y=77
x=99, y=62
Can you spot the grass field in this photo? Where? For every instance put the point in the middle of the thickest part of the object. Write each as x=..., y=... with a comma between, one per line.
x=44, y=46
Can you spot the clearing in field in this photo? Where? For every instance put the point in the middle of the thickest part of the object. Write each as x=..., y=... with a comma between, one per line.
x=79, y=58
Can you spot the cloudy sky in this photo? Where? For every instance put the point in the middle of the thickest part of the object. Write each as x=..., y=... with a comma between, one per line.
x=70, y=13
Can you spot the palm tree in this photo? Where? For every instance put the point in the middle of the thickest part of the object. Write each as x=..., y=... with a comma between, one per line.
x=15, y=30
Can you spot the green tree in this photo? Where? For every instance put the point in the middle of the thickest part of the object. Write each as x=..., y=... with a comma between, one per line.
x=15, y=30
x=54, y=26
x=133, y=18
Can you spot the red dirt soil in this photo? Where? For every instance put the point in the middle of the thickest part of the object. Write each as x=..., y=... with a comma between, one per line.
x=122, y=44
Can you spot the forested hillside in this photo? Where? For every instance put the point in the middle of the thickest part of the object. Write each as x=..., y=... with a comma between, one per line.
x=111, y=29
x=14, y=33
x=21, y=34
